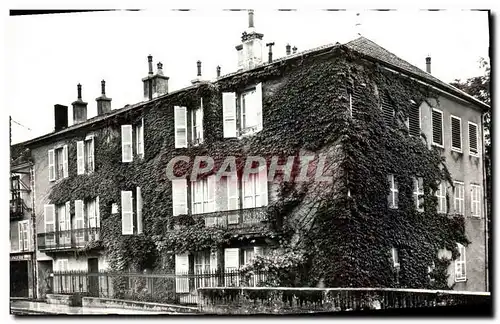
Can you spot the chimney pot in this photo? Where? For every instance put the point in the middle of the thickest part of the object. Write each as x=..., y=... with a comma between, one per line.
x=428, y=64
x=218, y=71
x=103, y=88
x=287, y=49
x=150, y=64
x=198, y=64
x=250, y=18
x=294, y=49
x=160, y=68
x=270, y=55
x=79, y=87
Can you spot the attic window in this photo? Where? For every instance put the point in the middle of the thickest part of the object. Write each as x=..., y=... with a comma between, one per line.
x=437, y=127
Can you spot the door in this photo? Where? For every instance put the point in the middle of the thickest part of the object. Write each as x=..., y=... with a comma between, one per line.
x=19, y=279
x=93, y=269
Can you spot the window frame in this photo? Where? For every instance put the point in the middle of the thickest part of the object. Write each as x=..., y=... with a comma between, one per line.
x=393, y=188
x=461, y=260
x=458, y=150
x=25, y=240
x=442, y=127
x=418, y=194
x=477, y=138
x=442, y=184
x=461, y=200
x=246, y=131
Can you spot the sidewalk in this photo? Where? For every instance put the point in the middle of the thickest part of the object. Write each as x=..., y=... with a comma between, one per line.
x=21, y=307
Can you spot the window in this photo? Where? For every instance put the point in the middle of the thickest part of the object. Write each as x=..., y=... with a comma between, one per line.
x=180, y=124
x=85, y=155
x=255, y=189
x=64, y=281
x=458, y=198
x=179, y=196
x=132, y=223
x=437, y=127
x=248, y=255
x=49, y=216
x=249, y=113
x=58, y=163
x=202, y=262
x=460, y=267
x=139, y=138
x=473, y=139
x=130, y=136
x=24, y=235
x=441, y=196
x=418, y=193
x=203, y=195
x=63, y=216
x=79, y=223
x=395, y=257
x=387, y=109
x=475, y=203
x=197, y=124
x=414, y=120
x=393, y=198
x=456, y=134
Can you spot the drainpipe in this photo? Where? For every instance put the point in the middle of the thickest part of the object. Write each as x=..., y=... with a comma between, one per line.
x=34, y=265
x=486, y=262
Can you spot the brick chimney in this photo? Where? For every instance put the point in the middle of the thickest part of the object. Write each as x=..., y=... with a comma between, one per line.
x=103, y=102
x=250, y=51
x=60, y=117
x=79, y=108
x=155, y=85
x=428, y=64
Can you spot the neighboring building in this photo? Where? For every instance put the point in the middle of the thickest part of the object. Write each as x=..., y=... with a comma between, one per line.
x=21, y=224
x=102, y=197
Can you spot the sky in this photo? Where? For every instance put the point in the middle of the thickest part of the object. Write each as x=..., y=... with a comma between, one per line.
x=48, y=55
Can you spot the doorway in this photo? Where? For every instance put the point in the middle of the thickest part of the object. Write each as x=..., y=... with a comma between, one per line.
x=93, y=269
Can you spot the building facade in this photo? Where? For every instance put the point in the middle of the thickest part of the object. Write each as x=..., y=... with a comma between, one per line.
x=104, y=197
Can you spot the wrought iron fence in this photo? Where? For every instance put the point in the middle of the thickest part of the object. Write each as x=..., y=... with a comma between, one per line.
x=238, y=218
x=73, y=238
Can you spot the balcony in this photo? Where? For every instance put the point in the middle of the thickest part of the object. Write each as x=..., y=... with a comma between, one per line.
x=69, y=240
x=249, y=219
x=17, y=208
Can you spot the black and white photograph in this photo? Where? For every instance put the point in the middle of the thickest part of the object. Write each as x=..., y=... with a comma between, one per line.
x=244, y=162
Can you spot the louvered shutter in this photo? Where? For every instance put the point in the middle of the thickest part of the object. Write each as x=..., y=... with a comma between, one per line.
x=97, y=212
x=140, y=146
x=52, y=165
x=127, y=155
x=456, y=133
x=199, y=122
x=49, y=217
x=65, y=161
x=258, y=106
x=80, y=157
x=79, y=214
x=179, y=196
x=210, y=206
x=262, y=178
x=92, y=221
x=387, y=109
x=473, y=139
x=414, y=120
x=258, y=250
x=180, y=121
x=20, y=235
x=181, y=268
x=127, y=213
x=231, y=258
x=437, y=127
x=232, y=193
x=248, y=191
x=139, y=211
x=356, y=102
x=91, y=155
x=68, y=215
x=229, y=113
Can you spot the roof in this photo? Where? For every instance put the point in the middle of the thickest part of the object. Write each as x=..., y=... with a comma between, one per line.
x=361, y=45
x=370, y=49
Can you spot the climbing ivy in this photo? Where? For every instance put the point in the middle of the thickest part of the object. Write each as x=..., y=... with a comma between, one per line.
x=348, y=238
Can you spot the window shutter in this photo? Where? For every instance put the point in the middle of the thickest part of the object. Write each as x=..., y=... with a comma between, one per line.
x=97, y=213
x=437, y=127
x=127, y=143
x=52, y=165
x=387, y=109
x=139, y=211
x=49, y=218
x=258, y=250
x=231, y=258
x=257, y=101
x=80, y=159
x=456, y=133
x=140, y=149
x=181, y=268
x=79, y=214
x=180, y=120
x=262, y=187
x=229, y=113
x=414, y=120
x=20, y=235
x=199, y=121
x=232, y=193
x=211, y=194
x=91, y=155
x=179, y=196
x=65, y=161
x=473, y=139
x=355, y=102
x=127, y=213
x=248, y=191
x=68, y=215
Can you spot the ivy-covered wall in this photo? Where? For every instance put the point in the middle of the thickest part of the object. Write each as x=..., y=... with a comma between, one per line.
x=347, y=239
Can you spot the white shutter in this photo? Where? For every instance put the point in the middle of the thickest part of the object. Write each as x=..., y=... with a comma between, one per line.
x=233, y=196
x=68, y=215
x=49, y=217
x=258, y=250
x=79, y=214
x=262, y=187
x=97, y=213
x=127, y=143
x=257, y=106
x=199, y=121
x=80, y=157
x=52, y=165
x=231, y=258
x=179, y=196
x=181, y=268
x=20, y=235
x=91, y=155
x=213, y=261
x=127, y=211
x=65, y=161
x=180, y=124
x=139, y=211
x=140, y=142
x=229, y=113
x=210, y=206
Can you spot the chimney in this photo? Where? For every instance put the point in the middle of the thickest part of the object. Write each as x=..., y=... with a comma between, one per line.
x=250, y=49
x=270, y=54
x=294, y=49
x=103, y=102
x=79, y=108
x=198, y=73
x=428, y=64
x=155, y=84
x=218, y=71
x=287, y=49
x=60, y=117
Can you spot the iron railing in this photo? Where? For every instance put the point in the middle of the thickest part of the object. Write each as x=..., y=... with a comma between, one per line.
x=17, y=208
x=235, y=219
x=74, y=238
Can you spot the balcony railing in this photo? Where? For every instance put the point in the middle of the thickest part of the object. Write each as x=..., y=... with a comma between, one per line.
x=71, y=239
x=240, y=218
x=17, y=208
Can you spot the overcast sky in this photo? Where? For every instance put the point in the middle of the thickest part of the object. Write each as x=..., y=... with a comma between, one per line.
x=48, y=55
